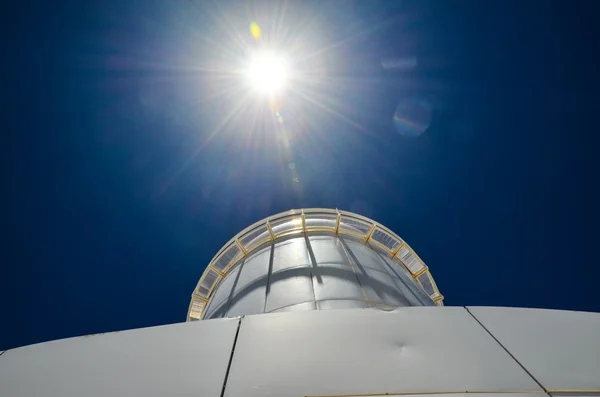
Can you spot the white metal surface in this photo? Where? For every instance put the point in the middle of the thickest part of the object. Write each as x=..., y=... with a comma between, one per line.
x=289, y=287
x=251, y=285
x=429, y=351
x=414, y=349
x=561, y=349
x=185, y=360
x=221, y=298
x=297, y=308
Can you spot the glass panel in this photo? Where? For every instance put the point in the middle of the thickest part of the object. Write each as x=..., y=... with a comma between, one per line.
x=321, y=222
x=409, y=259
x=197, y=308
x=287, y=225
x=354, y=225
x=229, y=255
x=255, y=237
x=385, y=239
x=210, y=278
x=426, y=283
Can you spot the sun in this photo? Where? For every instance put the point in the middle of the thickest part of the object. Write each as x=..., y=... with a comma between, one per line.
x=267, y=72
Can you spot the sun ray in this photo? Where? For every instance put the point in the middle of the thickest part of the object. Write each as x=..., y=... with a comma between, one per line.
x=230, y=117
x=229, y=26
x=281, y=19
x=333, y=112
x=347, y=39
x=232, y=114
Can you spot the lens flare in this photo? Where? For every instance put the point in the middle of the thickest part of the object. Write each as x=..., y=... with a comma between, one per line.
x=412, y=117
x=255, y=31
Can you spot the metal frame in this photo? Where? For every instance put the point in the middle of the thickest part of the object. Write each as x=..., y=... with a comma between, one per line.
x=308, y=221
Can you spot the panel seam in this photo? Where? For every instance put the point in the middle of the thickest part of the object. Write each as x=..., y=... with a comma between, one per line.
x=269, y=272
x=237, y=332
x=232, y=292
x=313, y=264
x=350, y=260
x=507, y=351
x=397, y=280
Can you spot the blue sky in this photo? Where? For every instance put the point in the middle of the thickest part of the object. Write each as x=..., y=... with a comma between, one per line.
x=132, y=148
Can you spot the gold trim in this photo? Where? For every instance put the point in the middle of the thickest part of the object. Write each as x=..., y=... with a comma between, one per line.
x=202, y=298
x=398, y=249
x=303, y=217
x=371, y=231
x=423, y=270
x=241, y=247
x=214, y=269
x=270, y=230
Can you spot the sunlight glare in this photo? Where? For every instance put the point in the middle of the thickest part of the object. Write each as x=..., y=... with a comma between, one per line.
x=267, y=72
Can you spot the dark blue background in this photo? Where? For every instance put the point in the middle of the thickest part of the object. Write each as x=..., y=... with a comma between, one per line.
x=114, y=199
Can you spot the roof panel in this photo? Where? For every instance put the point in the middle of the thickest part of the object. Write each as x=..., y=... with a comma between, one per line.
x=354, y=351
x=561, y=349
x=188, y=359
